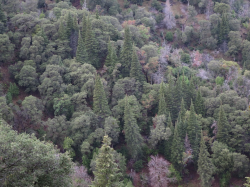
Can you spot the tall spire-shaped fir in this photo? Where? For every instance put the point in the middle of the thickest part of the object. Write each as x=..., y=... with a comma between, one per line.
x=109, y=61
x=133, y=137
x=106, y=172
x=177, y=150
x=81, y=54
x=192, y=125
x=168, y=143
x=223, y=127
x=205, y=165
x=100, y=102
x=199, y=104
x=136, y=69
x=162, y=107
x=126, y=53
x=62, y=32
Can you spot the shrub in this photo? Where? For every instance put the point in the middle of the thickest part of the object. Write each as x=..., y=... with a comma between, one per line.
x=138, y=165
x=8, y=98
x=13, y=89
x=185, y=58
x=219, y=80
x=169, y=36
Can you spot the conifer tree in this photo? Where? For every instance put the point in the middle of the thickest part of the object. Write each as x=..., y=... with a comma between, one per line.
x=182, y=110
x=75, y=24
x=181, y=127
x=168, y=143
x=205, y=165
x=114, y=56
x=136, y=69
x=177, y=97
x=2, y=15
x=100, y=102
x=84, y=27
x=126, y=53
x=91, y=46
x=109, y=60
x=81, y=54
x=46, y=40
x=191, y=92
x=177, y=150
x=184, y=91
x=199, y=104
x=223, y=127
x=133, y=137
x=62, y=32
x=192, y=125
x=106, y=171
x=97, y=14
x=162, y=107
x=70, y=25
x=169, y=98
x=224, y=28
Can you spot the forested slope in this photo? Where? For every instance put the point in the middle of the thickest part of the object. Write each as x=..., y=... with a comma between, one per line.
x=124, y=93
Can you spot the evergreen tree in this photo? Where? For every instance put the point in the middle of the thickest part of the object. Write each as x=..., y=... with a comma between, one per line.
x=177, y=94
x=109, y=60
x=223, y=127
x=205, y=165
x=169, y=98
x=84, y=27
x=192, y=125
x=162, y=107
x=248, y=34
x=177, y=150
x=2, y=15
x=106, y=171
x=224, y=28
x=133, y=137
x=91, y=46
x=168, y=143
x=182, y=110
x=185, y=91
x=100, y=102
x=70, y=25
x=191, y=92
x=181, y=127
x=46, y=40
x=199, y=104
x=136, y=69
x=81, y=54
x=62, y=32
x=97, y=14
x=126, y=53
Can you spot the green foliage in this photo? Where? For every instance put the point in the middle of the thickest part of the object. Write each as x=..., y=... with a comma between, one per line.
x=13, y=89
x=67, y=143
x=248, y=182
x=63, y=106
x=223, y=127
x=6, y=48
x=35, y=154
x=126, y=53
x=157, y=5
x=100, y=102
x=133, y=137
x=81, y=54
x=219, y=80
x=185, y=58
x=169, y=36
x=177, y=150
x=107, y=172
x=175, y=174
x=199, y=104
x=162, y=107
x=138, y=166
x=8, y=98
x=136, y=69
x=205, y=165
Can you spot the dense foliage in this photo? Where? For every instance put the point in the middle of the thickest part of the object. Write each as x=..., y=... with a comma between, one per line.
x=92, y=89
